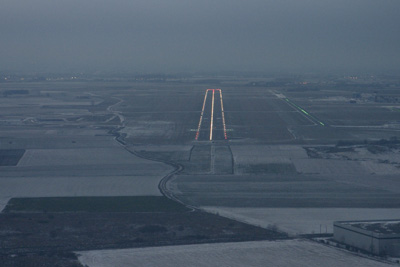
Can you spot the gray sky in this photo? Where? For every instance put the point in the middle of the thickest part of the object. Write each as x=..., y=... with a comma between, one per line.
x=200, y=35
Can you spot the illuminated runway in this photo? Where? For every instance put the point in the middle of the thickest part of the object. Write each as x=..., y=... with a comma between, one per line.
x=212, y=118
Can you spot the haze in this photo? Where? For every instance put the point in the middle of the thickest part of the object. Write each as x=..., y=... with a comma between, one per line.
x=177, y=35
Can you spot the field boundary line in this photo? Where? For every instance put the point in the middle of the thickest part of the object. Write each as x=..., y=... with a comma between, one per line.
x=162, y=185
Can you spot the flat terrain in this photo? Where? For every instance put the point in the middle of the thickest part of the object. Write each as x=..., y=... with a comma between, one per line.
x=301, y=221
x=45, y=230
x=57, y=141
x=280, y=253
x=298, y=151
x=81, y=171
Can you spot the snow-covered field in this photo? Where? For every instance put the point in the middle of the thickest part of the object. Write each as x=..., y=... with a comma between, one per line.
x=363, y=153
x=175, y=152
x=74, y=132
x=39, y=101
x=110, y=171
x=379, y=168
x=163, y=148
x=302, y=220
x=3, y=202
x=260, y=253
x=360, y=161
x=328, y=166
x=255, y=154
x=149, y=128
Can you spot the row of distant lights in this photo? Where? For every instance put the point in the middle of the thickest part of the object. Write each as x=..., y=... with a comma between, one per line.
x=72, y=78
x=47, y=79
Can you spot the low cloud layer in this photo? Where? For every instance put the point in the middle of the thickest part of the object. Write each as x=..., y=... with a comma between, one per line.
x=189, y=35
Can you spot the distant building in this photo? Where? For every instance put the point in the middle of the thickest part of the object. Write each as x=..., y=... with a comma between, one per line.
x=378, y=237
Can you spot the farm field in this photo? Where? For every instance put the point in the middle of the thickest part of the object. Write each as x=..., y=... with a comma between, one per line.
x=280, y=253
x=300, y=221
x=290, y=154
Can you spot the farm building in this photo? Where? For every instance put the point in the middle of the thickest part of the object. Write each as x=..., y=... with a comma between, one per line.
x=378, y=237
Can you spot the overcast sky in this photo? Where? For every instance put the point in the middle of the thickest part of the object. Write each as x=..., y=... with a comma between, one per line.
x=200, y=35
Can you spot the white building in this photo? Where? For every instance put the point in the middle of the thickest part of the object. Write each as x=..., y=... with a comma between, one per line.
x=378, y=237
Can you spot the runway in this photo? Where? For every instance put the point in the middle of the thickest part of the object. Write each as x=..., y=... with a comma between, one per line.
x=212, y=124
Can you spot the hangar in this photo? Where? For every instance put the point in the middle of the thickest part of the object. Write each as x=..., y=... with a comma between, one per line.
x=378, y=237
